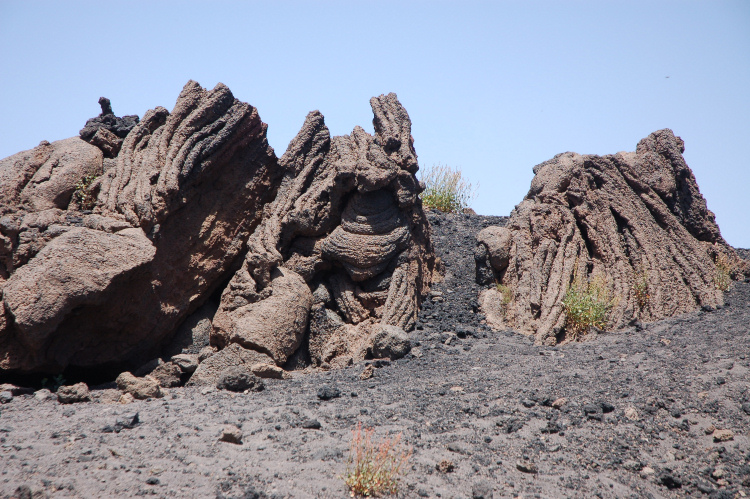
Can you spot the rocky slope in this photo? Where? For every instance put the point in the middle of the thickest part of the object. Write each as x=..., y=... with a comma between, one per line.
x=625, y=414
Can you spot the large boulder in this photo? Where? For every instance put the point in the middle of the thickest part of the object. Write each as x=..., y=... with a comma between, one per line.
x=343, y=248
x=45, y=177
x=170, y=218
x=635, y=222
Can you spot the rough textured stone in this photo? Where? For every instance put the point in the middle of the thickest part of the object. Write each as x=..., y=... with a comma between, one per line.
x=43, y=178
x=269, y=371
x=275, y=325
x=237, y=379
x=192, y=335
x=108, y=142
x=723, y=435
x=390, y=341
x=187, y=185
x=140, y=388
x=79, y=268
x=73, y=393
x=234, y=355
x=346, y=224
x=632, y=219
x=231, y=434
x=119, y=127
x=168, y=375
x=187, y=363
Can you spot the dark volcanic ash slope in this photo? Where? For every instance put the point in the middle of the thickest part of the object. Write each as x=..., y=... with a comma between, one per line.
x=627, y=414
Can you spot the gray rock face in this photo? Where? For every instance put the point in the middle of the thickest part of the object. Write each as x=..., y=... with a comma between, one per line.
x=236, y=379
x=390, y=341
x=346, y=224
x=636, y=221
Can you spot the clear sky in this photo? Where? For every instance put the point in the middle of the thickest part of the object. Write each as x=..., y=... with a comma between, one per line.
x=493, y=88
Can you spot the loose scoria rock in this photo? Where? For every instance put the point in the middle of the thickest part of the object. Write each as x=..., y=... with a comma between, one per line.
x=231, y=434
x=237, y=379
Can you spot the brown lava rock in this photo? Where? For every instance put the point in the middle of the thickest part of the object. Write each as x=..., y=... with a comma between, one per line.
x=170, y=216
x=636, y=219
x=343, y=248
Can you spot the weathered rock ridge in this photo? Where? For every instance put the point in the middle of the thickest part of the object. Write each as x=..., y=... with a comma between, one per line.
x=341, y=252
x=636, y=220
x=106, y=247
x=170, y=216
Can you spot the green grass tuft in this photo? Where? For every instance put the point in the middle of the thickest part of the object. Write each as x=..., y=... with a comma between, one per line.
x=446, y=190
x=587, y=304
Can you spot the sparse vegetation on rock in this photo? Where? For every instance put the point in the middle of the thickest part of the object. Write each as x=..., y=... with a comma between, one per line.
x=587, y=303
x=83, y=195
x=446, y=189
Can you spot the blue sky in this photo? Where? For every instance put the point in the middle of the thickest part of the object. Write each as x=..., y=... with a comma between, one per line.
x=493, y=88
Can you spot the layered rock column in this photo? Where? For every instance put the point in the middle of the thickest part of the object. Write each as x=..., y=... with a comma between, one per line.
x=343, y=249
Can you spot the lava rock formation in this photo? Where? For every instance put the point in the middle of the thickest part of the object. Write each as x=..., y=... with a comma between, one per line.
x=106, y=248
x=88, y=287
x=637, y=220
x=343, y=249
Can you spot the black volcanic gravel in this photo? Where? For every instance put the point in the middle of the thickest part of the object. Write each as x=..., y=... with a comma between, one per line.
x=635, y=422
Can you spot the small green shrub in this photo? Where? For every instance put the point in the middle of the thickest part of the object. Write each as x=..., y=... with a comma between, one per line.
x=507, y=297
x=724, y=271
x=373, y=469
x=446, y=190
x=83, y=195
x=587, y=304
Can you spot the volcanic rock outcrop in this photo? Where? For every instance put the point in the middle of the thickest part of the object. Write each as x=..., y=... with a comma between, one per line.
x=343, y=250
x=107, y=131
x=635, y=221
x=169, y=218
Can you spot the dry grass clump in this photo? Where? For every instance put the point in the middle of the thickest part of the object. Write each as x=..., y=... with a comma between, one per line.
x=587, y=304
x=725, y=270
x=446, y=190
x=373, y=469
x=507, y=297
